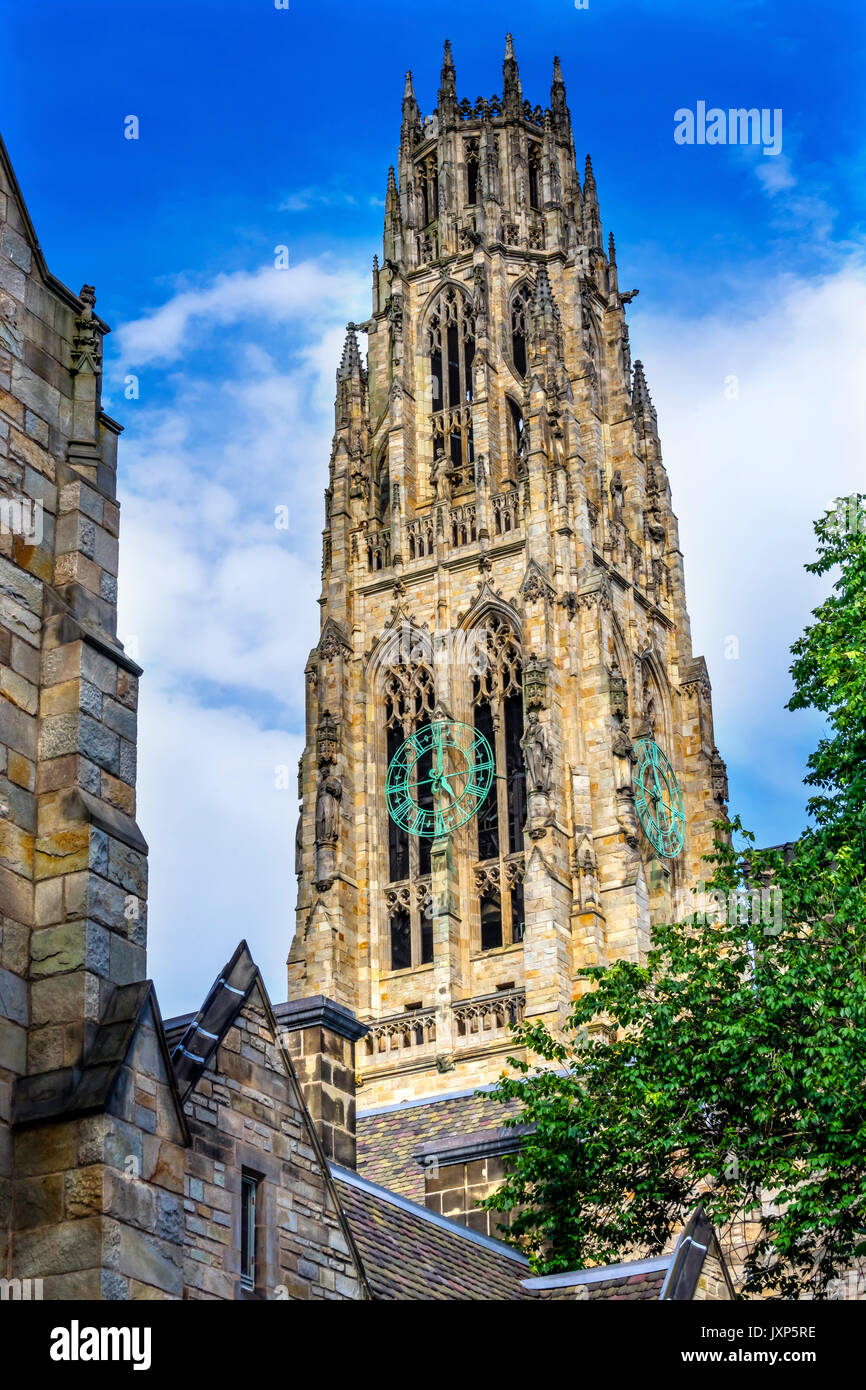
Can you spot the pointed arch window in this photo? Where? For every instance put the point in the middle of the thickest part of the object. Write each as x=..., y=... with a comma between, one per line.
x=535, y=175
x=519, y=321
x=516, y=436
x=451, y=340
x=428, y=189
x=497, y=699
x=409, y=705
x=383, y=488
x=472, y=166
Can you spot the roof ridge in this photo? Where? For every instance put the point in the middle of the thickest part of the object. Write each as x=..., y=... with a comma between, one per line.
x=498, y=1247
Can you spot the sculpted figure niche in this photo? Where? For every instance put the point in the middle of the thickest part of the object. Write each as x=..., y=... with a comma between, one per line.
x=328, y=797
x=537, y=755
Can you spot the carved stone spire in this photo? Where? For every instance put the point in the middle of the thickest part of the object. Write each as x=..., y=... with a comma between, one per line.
x=393, y=239
x=447, y=89
x=546, y=326
x=350, y=362
x=641, y=399
x=512, y=95
x=613, y=280
x=591, y=214
x=411, y=129
x=558, y=106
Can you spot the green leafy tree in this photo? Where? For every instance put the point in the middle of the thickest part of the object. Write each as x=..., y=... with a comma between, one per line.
x=731, y=1065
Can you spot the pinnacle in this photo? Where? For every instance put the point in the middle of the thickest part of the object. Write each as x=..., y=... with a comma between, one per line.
x=557, y=70
x=589, y=176
x=392, y=179
x=351, y=359
x=408, y=90
x=509, y=47
x=447, y=61
x=640, y=395
x=611, y=249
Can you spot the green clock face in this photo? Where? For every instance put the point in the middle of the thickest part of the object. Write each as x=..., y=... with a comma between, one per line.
x=438, y=778
x=657, y=799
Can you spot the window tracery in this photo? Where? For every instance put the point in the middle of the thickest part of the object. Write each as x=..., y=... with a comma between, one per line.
x=451, y=338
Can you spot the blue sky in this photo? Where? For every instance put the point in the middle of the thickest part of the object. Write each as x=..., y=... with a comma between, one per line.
x=262, y=127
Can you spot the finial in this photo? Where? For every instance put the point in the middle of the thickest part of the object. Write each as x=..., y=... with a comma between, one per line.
x=408, y=90
x=447, y=60
x=557, y=70
x=509, y=47
x=611, y=249
x=392, y=179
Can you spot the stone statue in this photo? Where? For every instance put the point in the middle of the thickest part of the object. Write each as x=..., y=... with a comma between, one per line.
x=479, y=279
x=328, y=810
x=537, y=755
x=616, y=495
x=623, y=755
x=439, y=476
x=299, y=842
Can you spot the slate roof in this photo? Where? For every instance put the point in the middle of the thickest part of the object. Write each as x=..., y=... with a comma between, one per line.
x=631, y=1282
x=412, y=1253
x=388, y=1139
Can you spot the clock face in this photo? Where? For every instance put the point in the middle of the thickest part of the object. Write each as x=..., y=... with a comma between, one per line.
x=439, y=778
x=657, y=798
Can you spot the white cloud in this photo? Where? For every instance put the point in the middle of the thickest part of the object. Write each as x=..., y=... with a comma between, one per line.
x=304, y=198
x=268, y=294
x=220, y=607
x=221, y=843
x=794, y=210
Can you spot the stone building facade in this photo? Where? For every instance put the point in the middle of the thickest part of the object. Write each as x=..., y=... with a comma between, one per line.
x=500, y=550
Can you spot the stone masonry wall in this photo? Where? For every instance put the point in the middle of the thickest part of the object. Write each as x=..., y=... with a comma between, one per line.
x=245, y=1113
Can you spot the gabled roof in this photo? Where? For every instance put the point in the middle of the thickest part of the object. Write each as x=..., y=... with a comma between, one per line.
x=412, y=1253
x=88, y=1086
x=195, y=1042
x=200, y=1039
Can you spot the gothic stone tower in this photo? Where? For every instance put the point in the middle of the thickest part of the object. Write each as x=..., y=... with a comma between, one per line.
x=499, y=549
